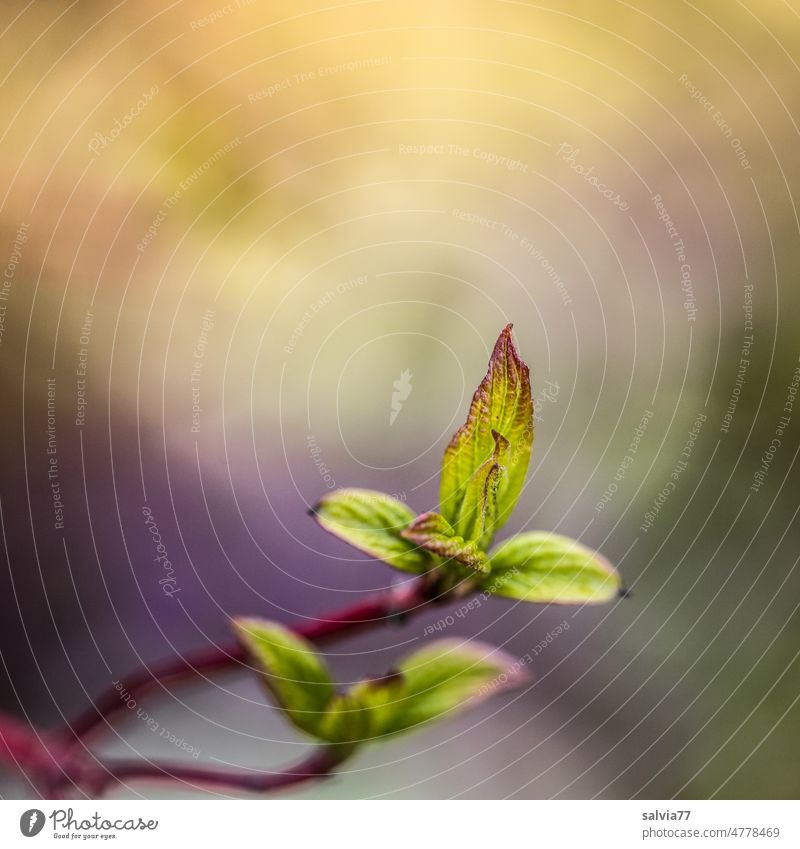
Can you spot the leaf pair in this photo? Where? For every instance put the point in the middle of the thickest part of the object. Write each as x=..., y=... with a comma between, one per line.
x=483, y=472
x=428, y=684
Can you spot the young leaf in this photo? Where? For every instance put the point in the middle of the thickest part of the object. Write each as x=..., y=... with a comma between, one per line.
x=433, y=683
x=434, y=533
x=292, y=671
x=346, y=721
x=372, y=522
x=548, y=568
x=478, y=517
x=501, y=403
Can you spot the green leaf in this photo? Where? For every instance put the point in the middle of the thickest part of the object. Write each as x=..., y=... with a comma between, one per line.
x=502, y=404
x=435, y=682
x=434, y=533
x=478, y=518
x=294, y=674
x=372, y=522
x=548, y=568
x=347, y=721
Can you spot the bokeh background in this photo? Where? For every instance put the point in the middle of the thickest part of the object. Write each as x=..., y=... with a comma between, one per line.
x=227, y=230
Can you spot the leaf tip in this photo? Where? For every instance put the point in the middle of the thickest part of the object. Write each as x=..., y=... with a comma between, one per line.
x=507, y=347
x=245, y=626
x=510, y=672
x=244, y=630
x=393, y=676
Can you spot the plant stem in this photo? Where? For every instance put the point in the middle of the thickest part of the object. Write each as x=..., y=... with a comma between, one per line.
x=53, y=761
x=364, y=614
x=319, y=764
x=20, y=745
x=39, y=756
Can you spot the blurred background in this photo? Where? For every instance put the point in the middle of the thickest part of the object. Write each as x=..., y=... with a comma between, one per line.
x=229, y=228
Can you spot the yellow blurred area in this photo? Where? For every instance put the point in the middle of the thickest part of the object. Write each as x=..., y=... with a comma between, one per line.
x=320, y=103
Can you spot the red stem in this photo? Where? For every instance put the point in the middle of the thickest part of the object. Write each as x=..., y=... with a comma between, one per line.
x=21, y=745
x=362, y=615
x=318, y=764
x=47, y=761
